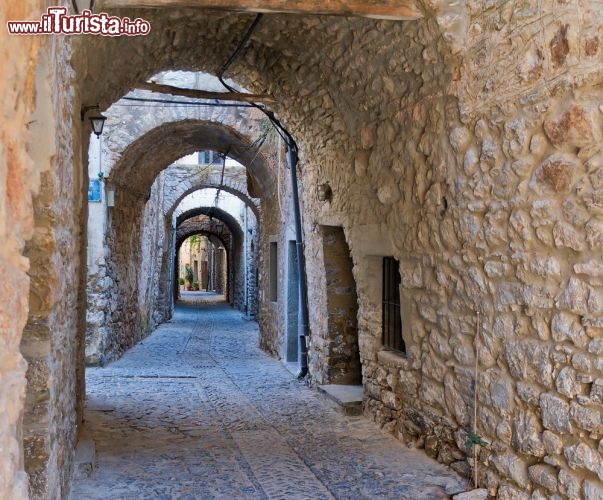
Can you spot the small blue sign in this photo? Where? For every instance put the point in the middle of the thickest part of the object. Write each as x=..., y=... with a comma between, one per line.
x=94, y=190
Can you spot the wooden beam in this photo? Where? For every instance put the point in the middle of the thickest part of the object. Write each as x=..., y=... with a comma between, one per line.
x=403, y=10
x=204, y=94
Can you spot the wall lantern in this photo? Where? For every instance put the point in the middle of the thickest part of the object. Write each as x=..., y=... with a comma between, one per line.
x=97, y=122
x=324, y=192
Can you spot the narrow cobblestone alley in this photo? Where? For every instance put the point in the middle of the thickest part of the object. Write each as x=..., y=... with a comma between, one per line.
x=197, y=411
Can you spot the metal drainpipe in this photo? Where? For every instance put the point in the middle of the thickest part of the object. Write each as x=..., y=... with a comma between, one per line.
x=245, y=258
x=304, y=330
x=303, y=327
x=175, y=271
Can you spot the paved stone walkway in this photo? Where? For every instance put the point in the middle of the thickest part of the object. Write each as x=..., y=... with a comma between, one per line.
x=197, y=411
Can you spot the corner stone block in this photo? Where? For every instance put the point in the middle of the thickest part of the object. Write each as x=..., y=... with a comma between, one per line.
x=509, y=492
x=583, y=456
x=555, y=413
x=512, y=467
x=552, y=443
x=566, y=382
x=587, y=418
x=526, y=434
x=557, y=172
x=569, y=484
x=575, y=125
x=545, y=476
x=592, y=490
x=565, y=326
x=596, y=391
x=411, y=274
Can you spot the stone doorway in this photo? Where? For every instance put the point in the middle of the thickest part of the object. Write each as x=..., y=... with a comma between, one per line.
x=342, y=305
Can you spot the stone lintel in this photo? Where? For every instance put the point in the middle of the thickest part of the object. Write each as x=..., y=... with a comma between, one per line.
x=401, y=10
x=204, y=94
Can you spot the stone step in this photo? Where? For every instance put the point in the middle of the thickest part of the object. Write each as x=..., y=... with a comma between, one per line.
x=347, y=397
x=85, y=455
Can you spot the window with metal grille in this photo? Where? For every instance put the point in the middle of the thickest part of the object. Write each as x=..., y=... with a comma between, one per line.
x=391, y=319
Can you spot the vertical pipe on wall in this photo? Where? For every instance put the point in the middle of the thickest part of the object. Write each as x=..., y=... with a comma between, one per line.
x=292, y=160
x=174, y=275
x=245, y=260
x=301, y=266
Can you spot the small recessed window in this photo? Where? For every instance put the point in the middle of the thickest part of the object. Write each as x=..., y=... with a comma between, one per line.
x=273, y=271
x=391, y=318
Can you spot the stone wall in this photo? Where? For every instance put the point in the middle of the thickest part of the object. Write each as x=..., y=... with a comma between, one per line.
x=19, y=179
x=42, y=159
x=51, y=339
x=527, y=215
x=277, y=226
x=155, y=244
x=250, y=252
x=123, y=295
x=491, y=202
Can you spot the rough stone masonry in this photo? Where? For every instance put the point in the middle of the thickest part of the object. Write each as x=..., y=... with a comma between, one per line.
x=465, y=143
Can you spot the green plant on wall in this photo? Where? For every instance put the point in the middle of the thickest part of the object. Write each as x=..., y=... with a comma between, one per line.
x=474, y=439
x=188, y=271
x=188, y=274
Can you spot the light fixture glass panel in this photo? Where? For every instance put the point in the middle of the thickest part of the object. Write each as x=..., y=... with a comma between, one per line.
x=97, y=123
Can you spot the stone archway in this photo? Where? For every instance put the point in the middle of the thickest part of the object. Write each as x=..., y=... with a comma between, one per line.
x=148, y=155
x=211, y=273
x=142, y=304
x=182, y=180
x=236, y=253
x=176, y=183
x=204, y=226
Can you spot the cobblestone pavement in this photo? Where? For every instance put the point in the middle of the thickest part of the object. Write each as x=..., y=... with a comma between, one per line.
x=197, y=411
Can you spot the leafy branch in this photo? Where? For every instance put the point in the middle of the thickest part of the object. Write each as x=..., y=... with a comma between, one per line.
x=473, y=439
